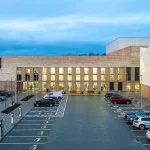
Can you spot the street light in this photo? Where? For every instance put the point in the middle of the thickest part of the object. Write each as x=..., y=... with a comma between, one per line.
x=141, y=91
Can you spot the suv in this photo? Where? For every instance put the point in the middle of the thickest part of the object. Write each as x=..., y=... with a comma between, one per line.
x=131, y=118
x=120, y=100
x=109, y=94
x=142, y=122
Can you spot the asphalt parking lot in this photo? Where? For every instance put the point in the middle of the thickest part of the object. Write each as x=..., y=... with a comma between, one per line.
x=89, y=122
x=32, y=131
x=140, y=135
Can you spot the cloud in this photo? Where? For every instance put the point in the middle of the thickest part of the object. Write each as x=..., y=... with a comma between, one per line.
x=71, y=21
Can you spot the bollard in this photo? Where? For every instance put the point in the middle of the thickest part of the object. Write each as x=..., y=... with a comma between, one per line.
x=20, y=112
x=1, y=123
x=12, y=118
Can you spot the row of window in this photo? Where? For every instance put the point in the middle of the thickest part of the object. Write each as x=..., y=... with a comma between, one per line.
x=78, y=70
x=34, y=86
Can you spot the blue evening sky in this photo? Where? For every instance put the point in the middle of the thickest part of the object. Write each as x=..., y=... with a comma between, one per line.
x=55, y=27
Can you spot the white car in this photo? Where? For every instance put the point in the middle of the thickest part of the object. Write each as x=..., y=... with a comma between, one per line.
x=142, y=122
x=148, y=133
x=57, y=94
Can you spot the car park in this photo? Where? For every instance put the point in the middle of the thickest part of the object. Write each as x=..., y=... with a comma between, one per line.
x=120, y=100
x=131, y=118
x=131, y=113
x=110, y=94
x=142, y=122
x=45, y=102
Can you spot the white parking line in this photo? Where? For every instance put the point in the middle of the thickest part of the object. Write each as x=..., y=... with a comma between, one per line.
x=29, y=129
x=26, y=136
x=33, y=124
x=36, y=120
x=141, y=136
x=20, y=143
x=146, y=144
x=130, y=125
x=138, y=130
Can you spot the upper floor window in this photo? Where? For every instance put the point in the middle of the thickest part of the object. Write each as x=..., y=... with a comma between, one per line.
x=94, y=70
x=86, y=70
x=69, y=70
x=44, y=71
x=19, y=71
x=77, y=70
x=103, y=70
x=61, y=70
x=111, y=70
x=27, y=71
x=52, y=70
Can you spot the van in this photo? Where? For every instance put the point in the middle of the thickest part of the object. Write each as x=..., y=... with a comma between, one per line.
x=57, y=94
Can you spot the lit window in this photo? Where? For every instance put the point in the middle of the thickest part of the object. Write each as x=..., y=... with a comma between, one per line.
x=94, y=77
x=78, y=86
x=53, y=77
x=86, y=77
x=69, y=77
x=103, y=77
x=86, y=86
x=69, y=86
x=120, y=77
x=44, y=71
x=43, y=86
x=86, y=70
x=52, y=70
x=103, y=70
x=52, y=86
x=69, y=70
x=77, y=77
x=77, y=70
x=44, y=77
x=61, y=70
x=19, y=71
x=27, y=71
x=61, y=77
x=94, y=70
x=61, y=86
x=111, y=77
x=119, y=70
x=94, y=86
x=111, y=70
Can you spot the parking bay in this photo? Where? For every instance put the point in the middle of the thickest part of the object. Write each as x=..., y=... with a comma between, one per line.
x=140, y=135
x=32, y=131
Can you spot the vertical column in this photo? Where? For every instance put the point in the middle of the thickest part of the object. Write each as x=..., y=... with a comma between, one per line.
x=98, y=79
x=40, y=78
x=74, y=79
x=65, y=74
x=23, y=74
x=82, y=79
x=115, y=74
x=115, y=86
x=90, y=79
x=56, y=78
x=132, y=74
x=124, y=86
x=31, y=75
x=132, y=86
x=48, y=78
x=107, y=75
x=107, y=86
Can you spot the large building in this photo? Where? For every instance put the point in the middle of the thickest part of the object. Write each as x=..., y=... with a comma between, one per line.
x=117, y=71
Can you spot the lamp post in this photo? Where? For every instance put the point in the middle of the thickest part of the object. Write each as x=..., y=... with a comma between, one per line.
x=141, y=91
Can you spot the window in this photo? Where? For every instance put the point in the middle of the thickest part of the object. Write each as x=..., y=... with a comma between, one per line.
x=94, y=70
x=111, y=77
x=86, y=77
x=86, y=70
x=19, y=74
x=119, y=70
x=128, y=87
x=52, y=70
x=69, y=86
x=94, y=86
x=103, y=77
x=77, y=70
x=44, y=77
x=86, y=86
x=95, y=77
x=137, y=86
x=27, y=71
x=111, y=70
x=61, y=70
x=103, y=86
x=35, y=70
x=103, y=70
x=53, y=77
x=120, y=77
x=43, y=86
x=52, y=86
x=119, y=86
x=69, y=77
x=137, y=73
x=111, y=86
x=77, y=77
x=19, y=70
x=77, y=86
x=61, y=86
x=61, y=77
x=69, y=70
x=128, y=73
x=44, y=71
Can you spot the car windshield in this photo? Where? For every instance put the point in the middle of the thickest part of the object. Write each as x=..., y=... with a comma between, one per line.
x=136, y=118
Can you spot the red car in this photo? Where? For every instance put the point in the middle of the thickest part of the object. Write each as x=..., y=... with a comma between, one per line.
x=120, y=100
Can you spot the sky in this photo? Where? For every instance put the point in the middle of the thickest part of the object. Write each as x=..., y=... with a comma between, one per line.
x=55, y=27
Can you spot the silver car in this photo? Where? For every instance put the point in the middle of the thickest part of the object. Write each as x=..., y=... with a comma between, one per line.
x=142, y=122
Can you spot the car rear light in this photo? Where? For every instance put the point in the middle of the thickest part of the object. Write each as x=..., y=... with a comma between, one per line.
x=136, y=121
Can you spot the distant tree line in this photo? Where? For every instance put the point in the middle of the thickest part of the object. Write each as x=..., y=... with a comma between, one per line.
x=90, y=54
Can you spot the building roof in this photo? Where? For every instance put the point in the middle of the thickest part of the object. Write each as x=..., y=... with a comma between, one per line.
x=123, y=42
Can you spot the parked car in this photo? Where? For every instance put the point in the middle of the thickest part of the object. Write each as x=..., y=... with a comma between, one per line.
x=131, y=113
x=6, y=93
x=55, y=98
x=148, y=133
x=142, y=122
x=110, y=94
x=131, y=118
x=2, y=97
x=57, y=94
x=120, y=100
x=45, y=102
